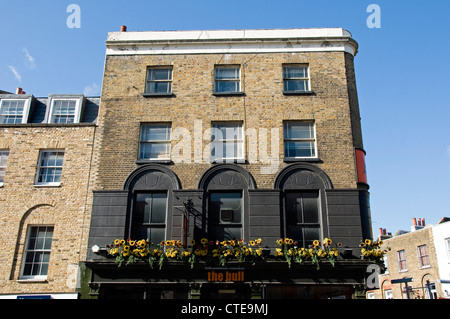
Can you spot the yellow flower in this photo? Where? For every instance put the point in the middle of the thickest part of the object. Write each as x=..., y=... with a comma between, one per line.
x=117, y=242
x=367, y=241
x=252, y=243
x=316, y=243
x=327, y=241
x=258, y=241
x=280, y=241
x=192, y=241
x=204, y=241
x=278, y=252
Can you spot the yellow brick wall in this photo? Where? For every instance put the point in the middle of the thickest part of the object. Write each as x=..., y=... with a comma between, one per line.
x=264, y=106
x=66, y=208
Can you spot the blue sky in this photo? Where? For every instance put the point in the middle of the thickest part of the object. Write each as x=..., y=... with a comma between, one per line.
x=402, y=72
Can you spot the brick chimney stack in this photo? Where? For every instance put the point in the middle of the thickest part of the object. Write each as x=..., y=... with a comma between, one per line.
x=417, y=223
x=20, y=91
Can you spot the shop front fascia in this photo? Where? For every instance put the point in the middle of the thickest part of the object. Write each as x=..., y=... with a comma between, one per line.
x=272, y=279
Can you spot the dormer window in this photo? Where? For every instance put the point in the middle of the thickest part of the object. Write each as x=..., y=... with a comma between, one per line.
x=14, y=111
x=65, y=109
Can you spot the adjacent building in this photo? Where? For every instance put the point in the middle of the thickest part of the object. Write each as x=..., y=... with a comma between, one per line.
x=46, y=146
x=417, y=262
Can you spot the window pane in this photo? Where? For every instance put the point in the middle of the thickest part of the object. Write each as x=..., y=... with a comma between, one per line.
x=225, y=208
x=160, y=74
x=159, y=208
x=142, y=209
x=295, y=85
x=310, y=208
x=155, y=132
x=159, y=87
x=299, y=149
x=298, y=130
x=295, y=72
x=155, y=151
x=230, y=73
x=311, y=234
x=156, y=235
x=294, y=214
x=227, y=86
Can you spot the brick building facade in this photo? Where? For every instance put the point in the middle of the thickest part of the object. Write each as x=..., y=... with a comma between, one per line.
x=228, y=135
x=45, y=195
x=412, y=255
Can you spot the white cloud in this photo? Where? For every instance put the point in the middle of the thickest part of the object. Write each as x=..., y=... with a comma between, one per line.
x=31, y=62
x=16, y=73
x=92, y=90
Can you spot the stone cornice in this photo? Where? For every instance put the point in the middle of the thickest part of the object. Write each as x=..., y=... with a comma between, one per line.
x=231, y=41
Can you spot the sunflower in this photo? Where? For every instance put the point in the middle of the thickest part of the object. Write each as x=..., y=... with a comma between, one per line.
x=316, y=243
x=367, y=241
x=117, y=242
x=204, y=241
x=192, y=242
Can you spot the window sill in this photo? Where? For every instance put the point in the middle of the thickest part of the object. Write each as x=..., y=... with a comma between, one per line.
x=302, y=159
x=425, y=267
x=228, y=93
x=158, y=95
x=402, y=271
x=32, y=280
x=153, y=161
x=228, y=160
x=299, y=93
x=47, y=185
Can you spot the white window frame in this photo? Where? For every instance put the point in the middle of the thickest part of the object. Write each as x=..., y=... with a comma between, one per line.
x=388, y=294
x=307, y=79
x=25, y=111
x=240, y=141
x=3, y=154
x=27, y=250
x=420, y=257
x=400, y=260
x=166, y=141
x=79, y=100
x=236, y=79
x=447, y=242
x=310, y=140
x=169, y=80
x=39, y=167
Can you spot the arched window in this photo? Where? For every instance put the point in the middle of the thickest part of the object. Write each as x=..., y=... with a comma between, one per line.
x=303, y=208
x=150, y=196
x=226, y=201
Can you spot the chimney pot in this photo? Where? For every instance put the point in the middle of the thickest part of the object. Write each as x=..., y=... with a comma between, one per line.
x=414, y=221
x=123, y=28
x=19, y=91
x=384, y=231
x=423, y=222
x=419, y=221
x=381, y=231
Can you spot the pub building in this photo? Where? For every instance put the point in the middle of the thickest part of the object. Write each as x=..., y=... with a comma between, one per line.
x=236, y=155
